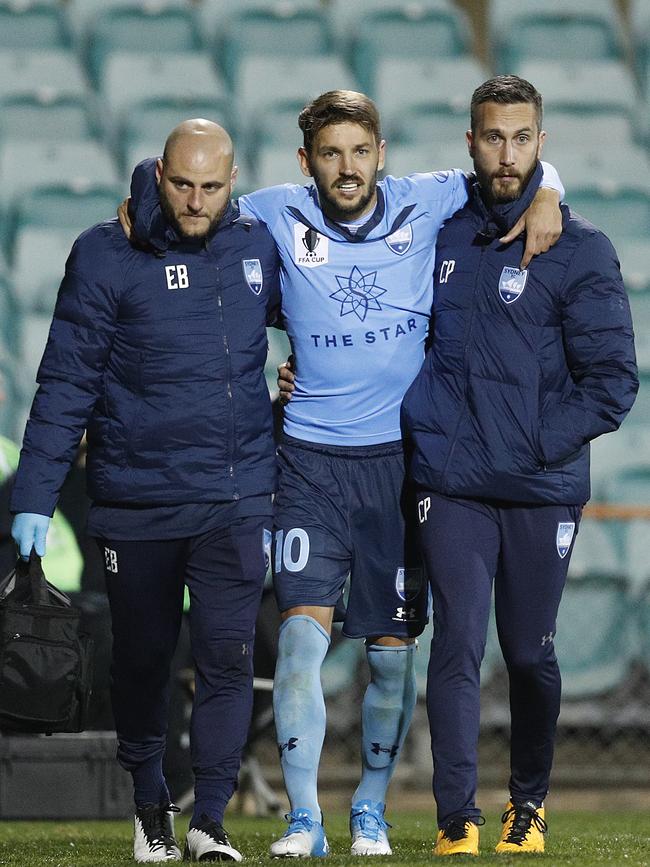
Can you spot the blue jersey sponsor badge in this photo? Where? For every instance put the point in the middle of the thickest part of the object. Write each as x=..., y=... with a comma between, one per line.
x=512, y=283
x=564, y=537
x=401, y=240
x=253, y=274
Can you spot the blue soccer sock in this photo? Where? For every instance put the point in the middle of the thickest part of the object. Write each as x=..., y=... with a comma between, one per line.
x=149, y=786
x=299, y=708
x=386, y=715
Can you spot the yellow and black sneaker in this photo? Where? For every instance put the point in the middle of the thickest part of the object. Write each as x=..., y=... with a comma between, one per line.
x=459, y=836
x=523, y=829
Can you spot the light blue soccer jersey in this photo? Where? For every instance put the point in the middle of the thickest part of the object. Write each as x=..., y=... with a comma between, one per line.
x=356, y=304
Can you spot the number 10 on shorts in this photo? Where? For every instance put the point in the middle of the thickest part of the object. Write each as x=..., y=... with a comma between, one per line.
x=291, y=550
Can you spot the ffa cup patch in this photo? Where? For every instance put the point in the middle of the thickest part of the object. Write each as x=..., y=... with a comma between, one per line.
x=400, y=241
x=408, y=583
x=311, y=249
x=512, y=283
x=564, y=537
x=253, y=274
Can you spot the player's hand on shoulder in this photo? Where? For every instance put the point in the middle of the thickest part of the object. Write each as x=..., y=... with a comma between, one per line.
x=125, y=218
x=542, y=223
x=286, y=377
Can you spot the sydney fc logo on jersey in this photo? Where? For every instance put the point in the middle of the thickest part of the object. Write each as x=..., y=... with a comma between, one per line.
x=400, y=241
x=564, y=537
x=311, y=249
x=408, y=583
x=253, y=274
x=511, y=284
x=358, y=293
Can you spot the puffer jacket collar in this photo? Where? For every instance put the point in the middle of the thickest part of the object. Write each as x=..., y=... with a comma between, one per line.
x=149, y=224
x=499, y=219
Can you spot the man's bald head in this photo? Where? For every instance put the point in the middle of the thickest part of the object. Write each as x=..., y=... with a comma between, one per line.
x=198, y=135
x=195, y=177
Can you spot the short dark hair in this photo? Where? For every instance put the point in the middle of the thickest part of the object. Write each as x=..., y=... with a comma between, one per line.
x=506, y=90
x=338, y=106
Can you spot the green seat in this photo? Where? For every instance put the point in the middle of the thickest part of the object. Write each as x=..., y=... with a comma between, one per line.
x=279, y=30
x=413, y=31
x=429, y=122
x=45, y=117
x=620, y=213
x=30, y=164
x=557, y=37
x=612, y=452
x=44, y=73
x=596, y=550
x=33, y=25
x=630, y=486
x=634, y=256
x=9, y=327
x=594, y=639
x=640, y=306
x=262, y=82
x=150, y=122
x=582, y=84
x=147, y=30
x=11, y=402
x=40, y=254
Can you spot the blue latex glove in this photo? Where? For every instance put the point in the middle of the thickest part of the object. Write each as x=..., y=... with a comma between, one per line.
x=29, y=531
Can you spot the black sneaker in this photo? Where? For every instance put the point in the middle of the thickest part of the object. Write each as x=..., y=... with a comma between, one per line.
x=208, y=841
x=153, y=834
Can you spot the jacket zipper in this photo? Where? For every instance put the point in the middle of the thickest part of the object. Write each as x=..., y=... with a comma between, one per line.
x=470, y=328
x=231, y=445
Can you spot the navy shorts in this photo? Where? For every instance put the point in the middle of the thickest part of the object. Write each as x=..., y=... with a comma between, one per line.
x=340, y=511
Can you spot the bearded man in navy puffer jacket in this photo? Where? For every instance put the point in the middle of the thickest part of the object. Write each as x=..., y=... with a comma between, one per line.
x=158, y=352
x=525, y=368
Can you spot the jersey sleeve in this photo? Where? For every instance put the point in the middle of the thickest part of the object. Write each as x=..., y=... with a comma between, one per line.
x=551, y=179
x=265, y=204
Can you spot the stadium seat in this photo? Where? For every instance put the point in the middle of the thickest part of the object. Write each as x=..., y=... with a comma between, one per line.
x=405, y=82
x=145, y=29
x=43, y=73
x=634, y=256
x=152, y=120
x=622, y=167
x=131, y=77
x=637, y=562
x=277, y=164
x=597, y=551
x=8, y=316
x=554, y=31
x=66, y=206
x=32, y=25
x=82, y=13
x=621, y=214
x=640, y=413
x=40, y=255
x=406, y=159
x=10, y=399
x=582, y=84
x=263, y=82
x=215, y=16
x=426, y=124
x=411, y=31
x=630, y=486
x=594, y=639
x=45, y=117
x=279, y=31
x=27, y=165
x=613, y=451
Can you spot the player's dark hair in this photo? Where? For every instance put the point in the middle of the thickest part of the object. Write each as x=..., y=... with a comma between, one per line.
x=506, y=90
x=338, y=106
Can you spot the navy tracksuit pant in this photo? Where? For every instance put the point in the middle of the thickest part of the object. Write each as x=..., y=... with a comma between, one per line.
x=466, y=545
x=224, y=570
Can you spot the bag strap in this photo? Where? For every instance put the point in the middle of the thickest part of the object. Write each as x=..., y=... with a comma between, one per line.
x=30, y=580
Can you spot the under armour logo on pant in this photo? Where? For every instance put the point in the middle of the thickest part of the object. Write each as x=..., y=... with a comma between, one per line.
x=546, y=639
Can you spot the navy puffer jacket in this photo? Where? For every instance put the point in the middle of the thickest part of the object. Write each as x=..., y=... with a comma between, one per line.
x=525, y=368
x=159, y=353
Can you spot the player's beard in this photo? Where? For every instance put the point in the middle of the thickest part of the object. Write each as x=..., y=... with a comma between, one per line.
x=341, y=212
x=170, y=215
x=486, y=183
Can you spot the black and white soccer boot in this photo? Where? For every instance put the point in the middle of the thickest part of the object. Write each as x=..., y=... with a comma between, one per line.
x=153, y=837
x=207, y=841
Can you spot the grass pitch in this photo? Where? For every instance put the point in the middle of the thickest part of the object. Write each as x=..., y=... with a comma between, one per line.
x=580, y=838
